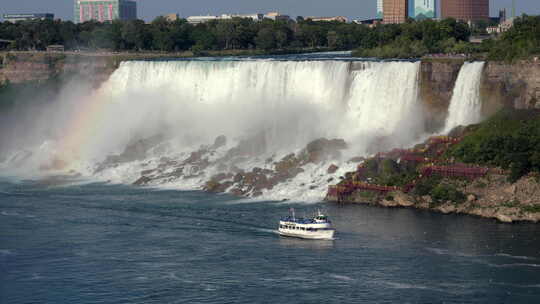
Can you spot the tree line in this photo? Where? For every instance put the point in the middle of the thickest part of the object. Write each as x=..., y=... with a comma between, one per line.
x=409, y=40
x=236, y=33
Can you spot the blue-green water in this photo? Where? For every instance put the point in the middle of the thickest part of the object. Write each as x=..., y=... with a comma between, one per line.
x=98, y=243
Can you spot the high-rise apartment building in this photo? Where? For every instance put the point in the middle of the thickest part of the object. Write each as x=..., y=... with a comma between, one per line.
x=380, y=9
x=395, y=11
x=465, y=10
x=104, y=10
x=422, y=9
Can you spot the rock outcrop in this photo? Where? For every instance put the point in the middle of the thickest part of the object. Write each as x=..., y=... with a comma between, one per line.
x=405, y=178
x=21, y=67
x=503, y=84
x=230, y=178
x=516, y=85
x=437, y=80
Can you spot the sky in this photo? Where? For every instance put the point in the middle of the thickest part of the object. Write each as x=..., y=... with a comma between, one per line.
x=149, y=9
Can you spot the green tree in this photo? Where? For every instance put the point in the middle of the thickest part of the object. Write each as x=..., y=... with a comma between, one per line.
x=266, y=39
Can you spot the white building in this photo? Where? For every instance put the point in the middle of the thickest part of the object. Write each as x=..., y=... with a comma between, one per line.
x=502, y=27
x=254, y=17
x=202, y=19
x=14, y=18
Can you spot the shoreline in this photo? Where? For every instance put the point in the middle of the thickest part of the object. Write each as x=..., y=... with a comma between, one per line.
x=500, y=214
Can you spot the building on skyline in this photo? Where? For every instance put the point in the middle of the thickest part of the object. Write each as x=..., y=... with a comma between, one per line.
x=380, y=9
x=203, y=19
x=465, y=10
x=104, y=10
x=13, y=18
x=277, y=16
x=328, y=19
x=422, y=9
x=502, y=15
x=395, y=11
x=172, y=17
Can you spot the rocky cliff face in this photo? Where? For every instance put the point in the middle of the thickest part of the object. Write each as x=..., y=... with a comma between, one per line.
x=437, y=81
x=27, y=67
x=516, y=85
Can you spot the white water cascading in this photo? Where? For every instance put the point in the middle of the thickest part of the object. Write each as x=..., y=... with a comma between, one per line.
x=373, y=106
x=465, y=106
x=292, y=101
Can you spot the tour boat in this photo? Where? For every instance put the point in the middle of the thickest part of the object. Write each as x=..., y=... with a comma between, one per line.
x=316, y=228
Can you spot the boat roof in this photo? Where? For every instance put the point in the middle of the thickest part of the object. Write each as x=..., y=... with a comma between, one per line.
x=300, y=220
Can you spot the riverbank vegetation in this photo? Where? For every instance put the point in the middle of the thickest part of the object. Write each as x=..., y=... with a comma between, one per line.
x=520, y=42
x=165, y=36
x=510, y=140
x=417, y=39
x=413, y=39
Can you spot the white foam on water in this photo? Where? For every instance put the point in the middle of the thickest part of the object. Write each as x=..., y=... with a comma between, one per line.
x=518, y=257
x=341, y=277
x=514, y=265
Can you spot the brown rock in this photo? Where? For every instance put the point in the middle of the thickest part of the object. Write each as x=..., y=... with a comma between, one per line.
x=332, y=169
x=504, y=218
x=219, y=142
x=511, y=189
x=403, y=199
x=322, y=148
x=447, y=208
x=237, y=192
x=388, y=203
x=427, y=199
x=146, y=172
x=143, y=180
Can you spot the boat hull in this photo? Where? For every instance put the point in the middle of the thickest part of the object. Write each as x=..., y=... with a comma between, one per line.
x=318, y=235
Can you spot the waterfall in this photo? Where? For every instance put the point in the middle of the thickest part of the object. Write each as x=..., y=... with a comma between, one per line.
x=182, y=106
x=383, y=102
x=292, y=102
x=465, y=106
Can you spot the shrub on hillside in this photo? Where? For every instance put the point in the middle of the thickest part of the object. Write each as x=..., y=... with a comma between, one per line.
x=510, y=139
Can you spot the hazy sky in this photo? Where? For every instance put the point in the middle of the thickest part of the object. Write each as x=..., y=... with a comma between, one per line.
x=149, y=9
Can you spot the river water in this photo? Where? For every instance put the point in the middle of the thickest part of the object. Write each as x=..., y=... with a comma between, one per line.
x=100, y=243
